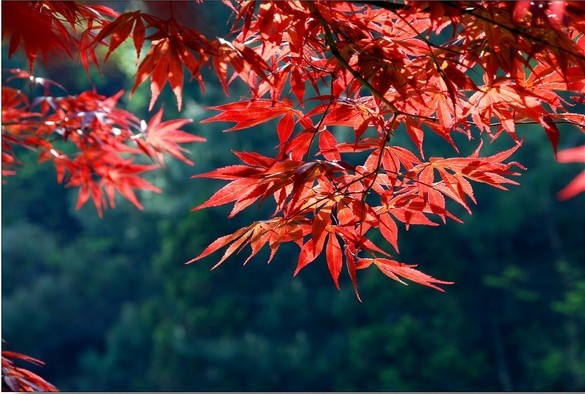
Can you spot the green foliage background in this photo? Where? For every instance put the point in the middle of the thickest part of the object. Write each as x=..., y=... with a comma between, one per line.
x=109, y=305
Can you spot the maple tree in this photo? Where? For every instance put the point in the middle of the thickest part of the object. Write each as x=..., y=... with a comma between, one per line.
x=338, y=81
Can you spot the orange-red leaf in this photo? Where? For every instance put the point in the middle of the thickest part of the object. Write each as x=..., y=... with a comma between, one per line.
x=389, y=230
x=395, y=270
x=165, y=137
x=285, y=128
x=334, y=258
x=577, y=185
x=575, y=155
x=249, y=113
x=230, y=192
x=217, y=244
x=328, y=145
x=350, y=262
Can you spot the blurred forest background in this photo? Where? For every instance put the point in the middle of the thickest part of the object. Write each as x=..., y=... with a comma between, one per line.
x=109, y=305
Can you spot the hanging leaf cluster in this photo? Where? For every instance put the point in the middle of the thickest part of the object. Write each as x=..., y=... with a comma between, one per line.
x=337, y=82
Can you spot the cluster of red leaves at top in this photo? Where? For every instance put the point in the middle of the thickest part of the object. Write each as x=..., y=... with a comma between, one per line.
x=343, y=78
x=338, y=80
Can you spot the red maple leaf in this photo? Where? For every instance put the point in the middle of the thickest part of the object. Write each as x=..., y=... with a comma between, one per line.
x=577, y=185
x=165, y=137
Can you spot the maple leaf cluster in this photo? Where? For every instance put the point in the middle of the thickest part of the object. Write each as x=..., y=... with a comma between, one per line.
x=15, y=378
x=93, y=144
x=342, y=79
x=337, y=81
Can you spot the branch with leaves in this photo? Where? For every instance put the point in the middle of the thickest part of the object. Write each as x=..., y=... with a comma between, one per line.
x=335, y=80
x=324, y=197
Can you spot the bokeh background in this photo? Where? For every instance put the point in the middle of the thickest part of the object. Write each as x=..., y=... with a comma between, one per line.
x=109, y=305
